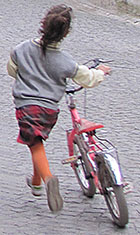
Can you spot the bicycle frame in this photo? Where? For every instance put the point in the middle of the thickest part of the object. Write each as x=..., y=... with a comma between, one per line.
x=79, y=126
x=85, y=128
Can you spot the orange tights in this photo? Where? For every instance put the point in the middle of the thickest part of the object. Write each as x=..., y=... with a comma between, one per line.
x=40, y=163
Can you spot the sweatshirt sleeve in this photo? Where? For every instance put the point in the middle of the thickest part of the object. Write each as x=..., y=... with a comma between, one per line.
x=87, y=78
x=12, y=68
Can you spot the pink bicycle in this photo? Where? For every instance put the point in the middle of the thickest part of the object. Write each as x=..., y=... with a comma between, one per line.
x=95, y=162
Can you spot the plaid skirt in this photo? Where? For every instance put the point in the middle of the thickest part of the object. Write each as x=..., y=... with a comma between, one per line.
x=35, y=123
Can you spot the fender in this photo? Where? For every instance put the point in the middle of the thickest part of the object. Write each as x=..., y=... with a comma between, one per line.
x=106, y=159
x=114, y=168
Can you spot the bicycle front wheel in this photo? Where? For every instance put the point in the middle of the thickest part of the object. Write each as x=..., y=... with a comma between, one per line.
x=117, y=205
x=82, y=169
x=114, y=196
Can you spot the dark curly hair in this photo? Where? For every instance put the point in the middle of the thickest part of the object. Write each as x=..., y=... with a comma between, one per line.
x=55, y=25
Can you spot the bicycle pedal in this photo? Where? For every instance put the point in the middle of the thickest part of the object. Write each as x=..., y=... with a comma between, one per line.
x=69, y=160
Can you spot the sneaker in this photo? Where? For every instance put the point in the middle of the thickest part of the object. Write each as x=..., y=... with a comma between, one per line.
x=55, y=201
x=36, y=189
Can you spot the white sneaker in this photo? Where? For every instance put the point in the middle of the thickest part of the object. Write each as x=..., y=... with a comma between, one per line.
x=36, y=189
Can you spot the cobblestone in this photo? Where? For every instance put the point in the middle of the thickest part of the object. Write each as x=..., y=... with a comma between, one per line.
x=115, y=103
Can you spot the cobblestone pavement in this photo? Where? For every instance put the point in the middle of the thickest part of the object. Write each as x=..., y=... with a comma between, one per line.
x=115, y=103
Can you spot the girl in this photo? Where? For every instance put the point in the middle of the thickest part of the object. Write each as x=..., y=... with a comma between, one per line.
x=40, y=69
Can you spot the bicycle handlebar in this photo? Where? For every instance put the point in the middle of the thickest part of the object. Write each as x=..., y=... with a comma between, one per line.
x=96, y=63
x=72, y=91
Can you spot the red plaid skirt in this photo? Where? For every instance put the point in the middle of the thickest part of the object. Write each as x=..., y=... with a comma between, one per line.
x=35, y=123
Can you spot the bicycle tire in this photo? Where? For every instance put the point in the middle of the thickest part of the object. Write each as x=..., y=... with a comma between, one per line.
x=114, y=196
x=82, y=168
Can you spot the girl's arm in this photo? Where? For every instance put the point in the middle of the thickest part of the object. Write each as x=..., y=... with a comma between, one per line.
x=87, y=78
x=12, y=68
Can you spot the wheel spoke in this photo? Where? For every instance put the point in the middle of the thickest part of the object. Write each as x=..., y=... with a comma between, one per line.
x=81, y=174
x=113, y=202
x=82, y=168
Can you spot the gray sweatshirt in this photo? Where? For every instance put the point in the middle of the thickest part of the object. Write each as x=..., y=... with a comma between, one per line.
x=41, y=80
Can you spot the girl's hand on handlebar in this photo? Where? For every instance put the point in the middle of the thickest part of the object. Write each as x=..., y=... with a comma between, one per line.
x=105, y=69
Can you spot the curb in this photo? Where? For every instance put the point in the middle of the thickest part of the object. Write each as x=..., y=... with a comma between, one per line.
x=135, y=3
x=129, y=6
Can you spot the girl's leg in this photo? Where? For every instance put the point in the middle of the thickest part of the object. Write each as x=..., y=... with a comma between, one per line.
x=36, y=179
x=42, y=171
x=40, y=163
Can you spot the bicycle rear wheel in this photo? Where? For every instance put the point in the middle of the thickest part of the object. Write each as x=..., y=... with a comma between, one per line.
x=113, y=195
x=82, y=168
